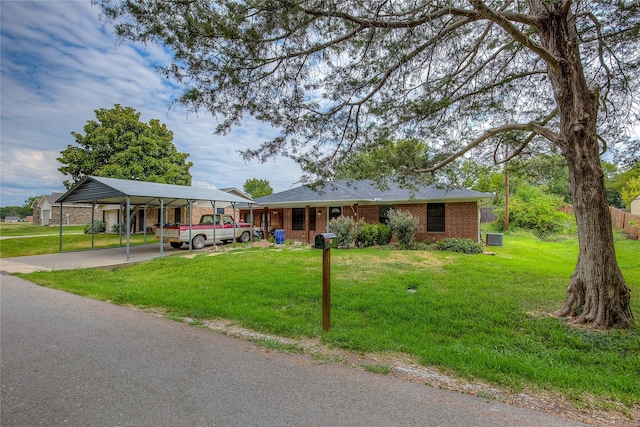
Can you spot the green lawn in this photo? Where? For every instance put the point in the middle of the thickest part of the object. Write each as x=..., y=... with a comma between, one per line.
x=73, y=239
x=477, y=316
x=28, y=229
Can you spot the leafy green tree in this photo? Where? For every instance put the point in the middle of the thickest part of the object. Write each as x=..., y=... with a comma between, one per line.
x=532, y=209
x=465, y=75
x=631, y=191
x=612, y=187
x=119, y=145
x=257, y=187
x=28, y=203
x=548, y=171
x=19, y=211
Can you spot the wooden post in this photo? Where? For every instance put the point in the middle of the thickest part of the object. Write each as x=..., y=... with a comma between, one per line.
x=326, y=289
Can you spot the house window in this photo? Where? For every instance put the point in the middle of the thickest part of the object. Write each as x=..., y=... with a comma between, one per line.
x=297, y=219
x=312, y=218
x=220, y=211
x=335, y=212
x=176, y=215
x=435, y=217
x=384, y=213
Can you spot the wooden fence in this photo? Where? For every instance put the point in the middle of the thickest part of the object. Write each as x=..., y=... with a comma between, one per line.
x=487, y=215
x=625, y=221
x=621, y=220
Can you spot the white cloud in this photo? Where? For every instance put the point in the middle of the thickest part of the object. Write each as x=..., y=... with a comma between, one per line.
x=60, y=63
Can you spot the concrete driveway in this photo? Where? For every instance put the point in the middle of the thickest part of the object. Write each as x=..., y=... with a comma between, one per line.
x=69, y=360
x=84, y=259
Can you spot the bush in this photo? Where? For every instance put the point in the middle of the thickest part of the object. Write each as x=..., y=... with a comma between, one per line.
x=466, y=246
x=346, y=230
x=115, y=228
x=531, y=209
x=404, y=226
x=98, y=227
x=384, y=234
x=374, y=234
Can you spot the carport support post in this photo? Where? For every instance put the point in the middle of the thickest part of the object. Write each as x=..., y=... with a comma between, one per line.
x=235, y=221
x=161, y=227
x=128, y=233
x=120, y=223
x=61, y=227
x=144, y=223
x=213, y=205
x=93, y=210
x=251, y=220
x=190, y=222
x=326, y=289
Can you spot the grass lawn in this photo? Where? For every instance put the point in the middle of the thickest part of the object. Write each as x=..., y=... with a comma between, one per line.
x=475, y=316
x=28, y=229
x=47, y=239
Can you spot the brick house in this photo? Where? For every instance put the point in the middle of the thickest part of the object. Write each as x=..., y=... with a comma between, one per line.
x=303, y=212
x=46, y=211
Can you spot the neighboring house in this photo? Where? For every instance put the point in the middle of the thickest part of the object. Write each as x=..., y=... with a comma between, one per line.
x=635, y=206
x=229, y=208
x=302, y=212
x=47, y=212
x=12, y=219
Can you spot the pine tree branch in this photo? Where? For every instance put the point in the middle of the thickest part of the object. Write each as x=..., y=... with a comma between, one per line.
x=502, y=20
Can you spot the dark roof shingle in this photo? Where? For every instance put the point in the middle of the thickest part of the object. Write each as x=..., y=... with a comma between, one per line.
x=366, y=192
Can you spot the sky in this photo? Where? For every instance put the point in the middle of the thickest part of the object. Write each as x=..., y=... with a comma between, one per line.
x=59, y=62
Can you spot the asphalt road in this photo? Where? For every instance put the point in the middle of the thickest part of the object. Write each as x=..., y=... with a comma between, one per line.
x=68, y=360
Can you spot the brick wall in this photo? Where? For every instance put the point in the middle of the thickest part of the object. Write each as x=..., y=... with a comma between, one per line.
x=77, y=215
x=461, y=220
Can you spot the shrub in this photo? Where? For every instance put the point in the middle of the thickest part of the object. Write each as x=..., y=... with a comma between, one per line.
x=374, y=234
x=98, y=227
x=367, y=236
x=404, y=226
x=384, y=234
x=466, y=246
x=115, y=228
x=346, y=230
x=531, y=209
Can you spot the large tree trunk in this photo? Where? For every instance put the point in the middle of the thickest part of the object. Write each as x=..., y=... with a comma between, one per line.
x=597, y=293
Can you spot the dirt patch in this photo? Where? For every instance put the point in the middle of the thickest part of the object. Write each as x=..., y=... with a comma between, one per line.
x=417, y=258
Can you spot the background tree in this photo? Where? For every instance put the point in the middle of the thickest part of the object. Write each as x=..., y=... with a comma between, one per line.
x=631, y=191
x=257, y=187
x=461, y=74
x=119, y=145
x=612, y=185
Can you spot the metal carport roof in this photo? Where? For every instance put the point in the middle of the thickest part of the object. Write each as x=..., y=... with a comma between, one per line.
x=93, y=189
x=98, y=190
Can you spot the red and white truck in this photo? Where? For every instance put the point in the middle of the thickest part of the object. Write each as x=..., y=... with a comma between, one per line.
x=226, y=229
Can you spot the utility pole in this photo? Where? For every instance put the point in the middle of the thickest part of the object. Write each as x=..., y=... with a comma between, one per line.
x=506, y=188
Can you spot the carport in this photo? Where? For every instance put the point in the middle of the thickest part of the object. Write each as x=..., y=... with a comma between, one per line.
x=141, y=195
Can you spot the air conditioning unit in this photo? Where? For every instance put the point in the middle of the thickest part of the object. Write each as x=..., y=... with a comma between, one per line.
x=494, y=239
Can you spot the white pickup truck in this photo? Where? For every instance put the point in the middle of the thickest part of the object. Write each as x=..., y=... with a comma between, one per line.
x=202, y=233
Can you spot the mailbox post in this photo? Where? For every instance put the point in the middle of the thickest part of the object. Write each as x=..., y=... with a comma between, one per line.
x=326, y=241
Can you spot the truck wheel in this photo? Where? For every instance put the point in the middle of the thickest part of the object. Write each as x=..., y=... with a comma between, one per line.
x=198, y=242
x=245, y=237
x=176, y=245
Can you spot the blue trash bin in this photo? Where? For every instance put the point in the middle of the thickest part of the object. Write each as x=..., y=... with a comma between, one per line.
x=279, y=235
